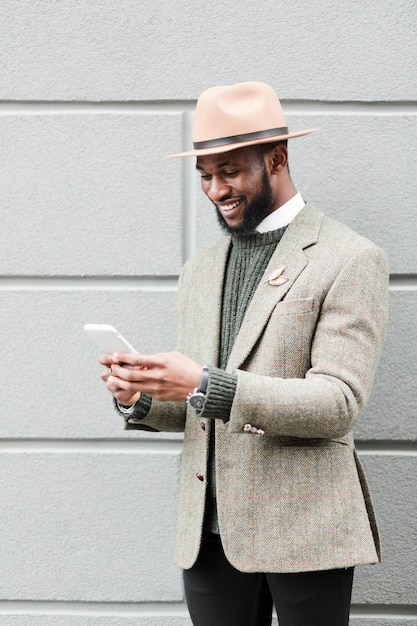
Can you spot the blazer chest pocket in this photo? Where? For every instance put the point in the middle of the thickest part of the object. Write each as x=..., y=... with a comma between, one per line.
x=283, y=349
x=294, y=307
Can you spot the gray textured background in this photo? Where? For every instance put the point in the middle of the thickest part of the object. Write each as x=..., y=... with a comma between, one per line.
x=95, y=225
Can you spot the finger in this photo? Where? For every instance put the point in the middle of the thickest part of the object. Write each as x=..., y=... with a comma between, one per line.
x=135, y=359
x=125, y=396
x=130, y=373
x=107, y=372
x=130, y=358
x=106, y=359
x=115, y=384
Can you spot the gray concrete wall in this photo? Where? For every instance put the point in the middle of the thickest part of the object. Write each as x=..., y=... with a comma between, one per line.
x=95, y=225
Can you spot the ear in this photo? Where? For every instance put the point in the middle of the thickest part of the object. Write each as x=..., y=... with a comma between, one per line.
x=278, y=159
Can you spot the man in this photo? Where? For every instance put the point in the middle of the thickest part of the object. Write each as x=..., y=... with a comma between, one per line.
x=280, y=327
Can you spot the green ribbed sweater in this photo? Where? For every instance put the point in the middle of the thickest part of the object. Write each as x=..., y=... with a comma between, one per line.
x=247, y=262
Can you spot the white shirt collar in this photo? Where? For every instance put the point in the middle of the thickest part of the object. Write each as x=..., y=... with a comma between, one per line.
x=282, y=216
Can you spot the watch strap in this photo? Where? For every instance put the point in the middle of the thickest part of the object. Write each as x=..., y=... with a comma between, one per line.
x=203, y=384
x=197, y=397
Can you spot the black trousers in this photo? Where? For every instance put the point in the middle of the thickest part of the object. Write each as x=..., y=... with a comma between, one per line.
x=217, y=594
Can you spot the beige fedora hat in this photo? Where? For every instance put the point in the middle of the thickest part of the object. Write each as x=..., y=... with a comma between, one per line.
x=233, y=116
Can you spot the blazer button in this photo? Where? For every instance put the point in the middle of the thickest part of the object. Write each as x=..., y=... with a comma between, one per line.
x=203, y=426
x=199, y=476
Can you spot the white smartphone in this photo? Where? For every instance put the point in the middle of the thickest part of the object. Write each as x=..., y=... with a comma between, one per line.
x=108, y=338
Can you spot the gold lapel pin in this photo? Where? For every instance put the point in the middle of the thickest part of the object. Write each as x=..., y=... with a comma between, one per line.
x=277, y=278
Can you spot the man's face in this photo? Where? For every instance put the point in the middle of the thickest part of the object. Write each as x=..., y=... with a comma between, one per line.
x=238, y=185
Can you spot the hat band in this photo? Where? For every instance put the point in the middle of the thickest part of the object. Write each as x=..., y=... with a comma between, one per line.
x=222, y=141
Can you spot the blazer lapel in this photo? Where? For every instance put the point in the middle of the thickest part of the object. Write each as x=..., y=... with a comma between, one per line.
x=300, y=234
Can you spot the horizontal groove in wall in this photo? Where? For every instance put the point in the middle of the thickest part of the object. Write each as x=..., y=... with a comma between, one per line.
x=299, y=107
x=398, y=282
x=387, y=448
x=85, y=108
x=375, y=611
x=139, y=445
x=33, y=607
x=322, y=107
x=89, y=283
x=163, y=444
x=22, y=607
x=403, y=281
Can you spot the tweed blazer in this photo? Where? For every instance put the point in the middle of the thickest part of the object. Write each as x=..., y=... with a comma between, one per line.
x=294, y=498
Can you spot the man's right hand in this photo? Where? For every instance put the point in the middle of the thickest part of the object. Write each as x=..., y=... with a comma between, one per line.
x=113, y=383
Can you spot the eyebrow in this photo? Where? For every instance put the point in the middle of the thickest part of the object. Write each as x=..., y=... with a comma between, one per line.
x=218, y=166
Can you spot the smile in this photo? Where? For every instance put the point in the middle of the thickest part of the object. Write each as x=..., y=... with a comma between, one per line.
x=230, y=207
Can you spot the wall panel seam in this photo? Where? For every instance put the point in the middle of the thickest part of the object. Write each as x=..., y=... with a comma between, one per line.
x=165, y=445
x=133, y=107
x=398, y=282
x=51, y=607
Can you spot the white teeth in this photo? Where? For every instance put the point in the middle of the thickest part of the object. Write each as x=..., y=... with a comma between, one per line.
x=230, y=207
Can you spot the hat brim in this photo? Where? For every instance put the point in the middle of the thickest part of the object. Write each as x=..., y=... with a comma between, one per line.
x=242, y=144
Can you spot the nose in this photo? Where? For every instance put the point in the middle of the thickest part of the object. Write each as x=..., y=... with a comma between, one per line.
x=218, y=190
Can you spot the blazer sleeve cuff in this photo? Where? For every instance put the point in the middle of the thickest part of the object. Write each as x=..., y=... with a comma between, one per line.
x=140, y=409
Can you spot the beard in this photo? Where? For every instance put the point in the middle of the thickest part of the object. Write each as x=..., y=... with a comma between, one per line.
x=255, y=212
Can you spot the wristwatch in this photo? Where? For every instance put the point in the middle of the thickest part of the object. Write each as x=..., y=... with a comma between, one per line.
x=197, y=397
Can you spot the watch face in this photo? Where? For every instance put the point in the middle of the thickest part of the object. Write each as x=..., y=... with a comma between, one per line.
x=197, y=400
